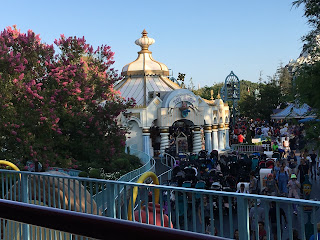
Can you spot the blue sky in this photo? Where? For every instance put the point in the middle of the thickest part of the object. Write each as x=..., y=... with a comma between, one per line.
x=204, y=39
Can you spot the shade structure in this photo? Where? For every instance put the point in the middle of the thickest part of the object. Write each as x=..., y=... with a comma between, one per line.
x=309, y=119
x=294, y=111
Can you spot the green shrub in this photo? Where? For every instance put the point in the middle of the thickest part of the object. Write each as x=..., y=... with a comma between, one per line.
x=94, y=173
x=83, y=174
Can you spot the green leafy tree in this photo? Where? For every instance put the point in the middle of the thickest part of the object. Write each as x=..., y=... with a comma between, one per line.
x=307, y=77
x=205, y=92
x=269, y=99
x=58, y=107
x=248, y=106
x=312, y=13
x=247, y=88
x=262, y=104
x=284, y=79
x=308, y=85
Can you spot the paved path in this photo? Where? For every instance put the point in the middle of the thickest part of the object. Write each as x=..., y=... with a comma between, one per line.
x=160, y=168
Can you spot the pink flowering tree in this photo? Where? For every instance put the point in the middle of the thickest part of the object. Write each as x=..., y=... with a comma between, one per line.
x=57, y=103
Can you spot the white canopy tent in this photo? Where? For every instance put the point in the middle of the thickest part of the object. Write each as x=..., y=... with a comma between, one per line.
x=294, y=111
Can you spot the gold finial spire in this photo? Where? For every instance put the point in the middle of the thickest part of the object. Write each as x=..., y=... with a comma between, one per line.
x=211, y=94
x=144, y=42
x=144, y=33
x=218, y=97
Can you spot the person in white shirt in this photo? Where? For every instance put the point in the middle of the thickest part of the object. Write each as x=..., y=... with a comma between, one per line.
x=242, y=189
x=265, y=131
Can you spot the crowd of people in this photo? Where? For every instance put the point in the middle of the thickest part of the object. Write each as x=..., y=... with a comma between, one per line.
x=288, y=176
x=241, y=172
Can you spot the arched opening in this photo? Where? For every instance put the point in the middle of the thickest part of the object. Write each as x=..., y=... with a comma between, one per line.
x=134, y=137
x=155, y=137
x=181, y=126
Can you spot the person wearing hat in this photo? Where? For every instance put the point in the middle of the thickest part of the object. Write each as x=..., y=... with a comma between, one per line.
x=318, y=228
x=292, y=160
x=294, y=187
x=271, y=186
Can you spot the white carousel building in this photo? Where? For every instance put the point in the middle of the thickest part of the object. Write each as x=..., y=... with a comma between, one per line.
x=163, y=108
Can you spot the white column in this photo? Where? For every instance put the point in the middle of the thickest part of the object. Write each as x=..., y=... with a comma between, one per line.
x=215, y=137
x=227, y=136
x=197, y=139
x=208, y=137
x=146, y=140
x=164, y=134
x=220, y=136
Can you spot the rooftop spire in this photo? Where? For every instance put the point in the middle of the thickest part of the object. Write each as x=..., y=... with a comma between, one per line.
x=144, y=42
x=144, y=33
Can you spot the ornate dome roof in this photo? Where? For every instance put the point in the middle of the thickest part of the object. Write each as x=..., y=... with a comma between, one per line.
x=145, y=64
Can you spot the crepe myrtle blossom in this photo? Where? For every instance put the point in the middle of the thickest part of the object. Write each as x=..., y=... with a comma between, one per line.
x=50, y=97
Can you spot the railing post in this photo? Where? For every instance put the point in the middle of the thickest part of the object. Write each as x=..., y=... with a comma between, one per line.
x=243, y=218
x=111, y=210
x=25, y=199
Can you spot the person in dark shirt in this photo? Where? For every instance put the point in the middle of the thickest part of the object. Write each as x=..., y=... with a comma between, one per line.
x=292, y=145
x=292, y=160
x=303, y=169
x=273, y=219
x=313, y=164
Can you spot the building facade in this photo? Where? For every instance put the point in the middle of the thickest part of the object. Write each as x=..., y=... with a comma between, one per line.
x=163, y=109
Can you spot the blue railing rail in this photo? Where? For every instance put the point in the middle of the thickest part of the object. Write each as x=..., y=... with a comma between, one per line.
x=71, y=172
x=86, y=225
x=250, y=148
x=148, y=165
x=184, y=207
x=168, y=160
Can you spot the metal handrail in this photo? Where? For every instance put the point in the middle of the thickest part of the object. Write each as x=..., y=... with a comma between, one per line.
x=166, y=158
x=149, y=165
x=135, y=174
x=37, y=186
x=246, y=148
x=87, y=225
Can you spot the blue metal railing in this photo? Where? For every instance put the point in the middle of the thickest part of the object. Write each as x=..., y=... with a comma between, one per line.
x=168, y=161
x=148, y=165
x=247, y=148
x=71, y=172
x=61, y=224
x=185, y=208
